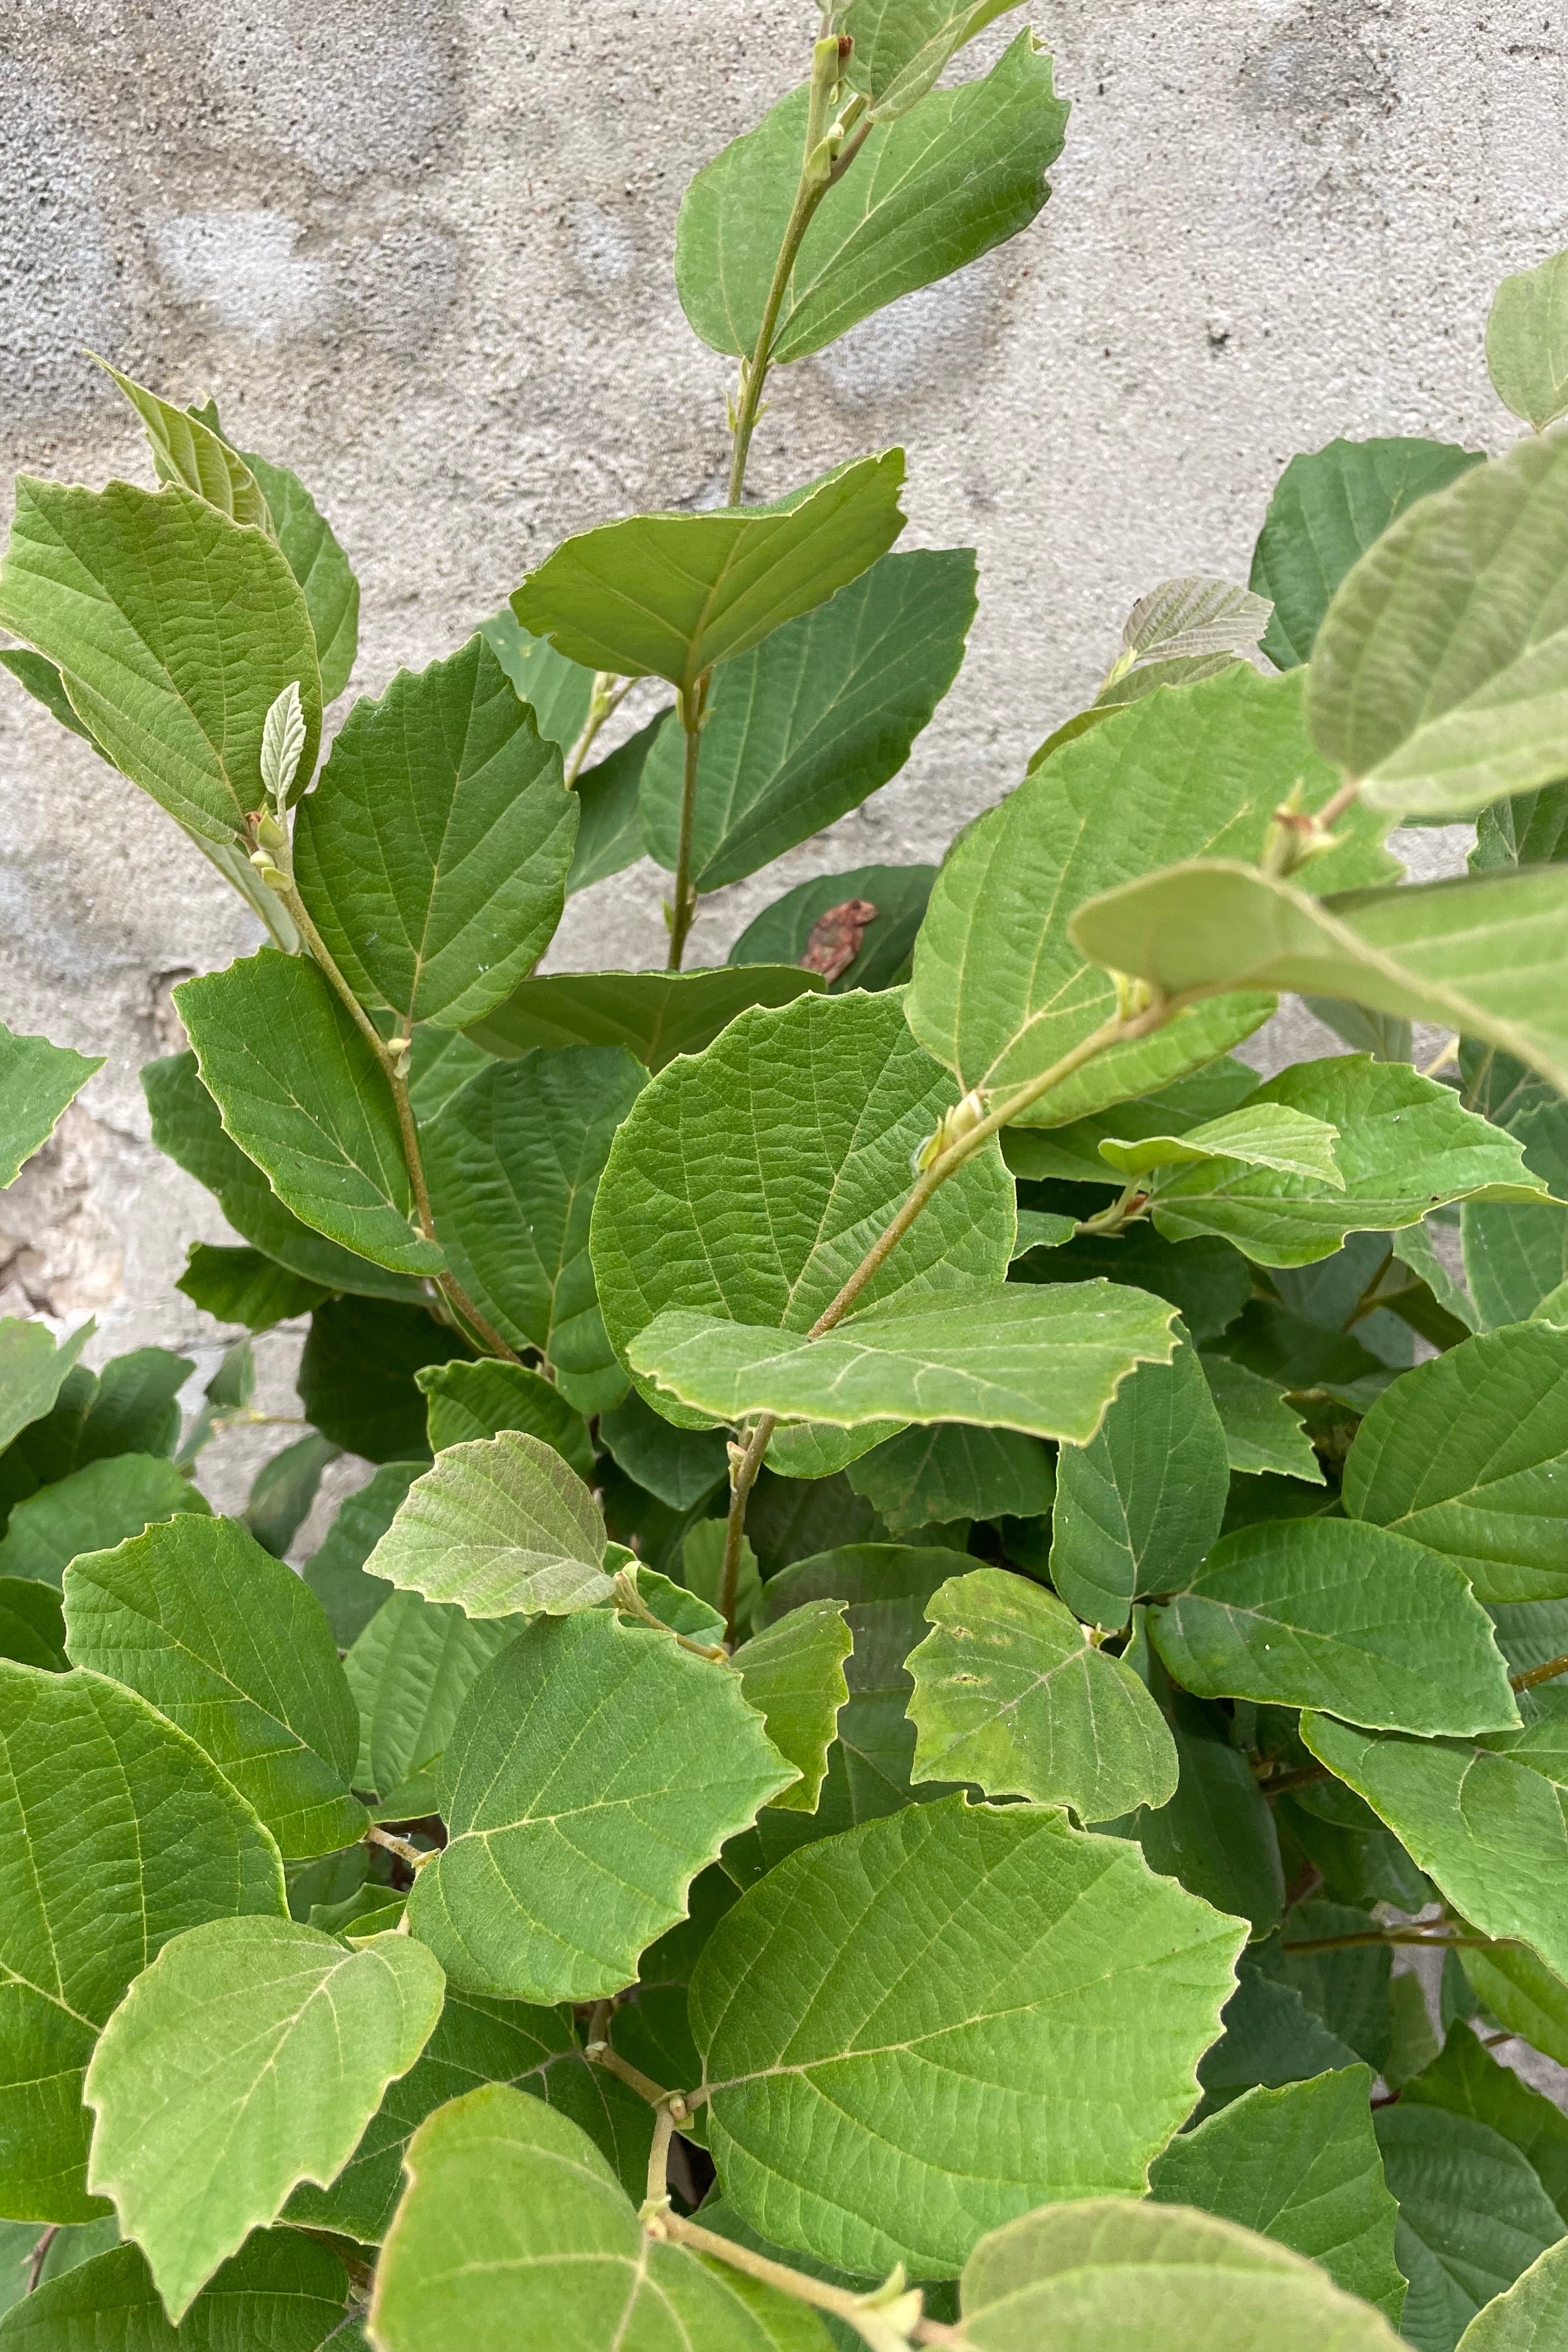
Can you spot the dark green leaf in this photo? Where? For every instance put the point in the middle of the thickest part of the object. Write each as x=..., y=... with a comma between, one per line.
x=90, y=1510
x=1208, y=1281
x=32, y=1624
x=954, y=1471
x=283, y=1491
x=43, y=683
x=1472, y=2216
x=357, y=1375
x=782, y=932
x=1271, y=2038
x=335, y=1573
x=1072, y=1153
x=469, y=1401
x=1467, y=2082
x=1262, y=1434
x=240, y=1286
x=440, y=1062
x=305, y=541
x=280, y=2292
x=609, y=810
x=32, y=1370
x=679, y=1465
x=654, y=1014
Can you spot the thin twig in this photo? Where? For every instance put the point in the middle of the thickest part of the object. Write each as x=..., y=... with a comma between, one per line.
x=40, y=2256
x=745, y=1464
x=1289, y=1781
x=415, y=1856
x=629, y=1597
x=1432, y=1940
x=599, y=2052
x=870, y=2319
x=1534, y=1676
x=693, y=709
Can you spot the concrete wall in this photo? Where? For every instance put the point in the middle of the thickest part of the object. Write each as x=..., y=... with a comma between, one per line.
x=420, y=249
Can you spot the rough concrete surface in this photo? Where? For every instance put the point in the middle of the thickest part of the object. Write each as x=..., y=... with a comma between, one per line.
x=421, y=250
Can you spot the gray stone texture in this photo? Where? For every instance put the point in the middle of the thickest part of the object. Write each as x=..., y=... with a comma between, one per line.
x=421, y=250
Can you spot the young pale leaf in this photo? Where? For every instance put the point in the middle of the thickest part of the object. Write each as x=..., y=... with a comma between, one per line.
x=1194, y=616
x=548, y=2246
x=1440, y=673
x=187, y=449
x=609, y=810
x=788, y=929
x=556, y=691
x=37, y=1082
x=853, y=2109
x=501, y=1525
x=1003, y=1354
x=1262, y=1433
x=188, y=1126
x=655, y=1015
x=282, y=742
x=1527, y=343
x=96, y=1506
x=1264, y=1135
x=313, y=554
x=175, y=630
x=1010, y=1693
x=1072, y=1153
x=960, y=172
x=1334, y=1613
x=1138, y=1507
x=595, y=1768
x=235, y=1649
x=1531, y=2316
x=900, y=47
x=815, y=719
x=952, y=1472
x=249, y=2056
x=335, y=1573
x=432, y=855
x=1002, y=991
x=1487, y=956
x=513, y=1163
x=1104, y=2276
x=32, y=1370
x=1300, y=2165
x=1487, y=1820
x=281, y=2291
x=1472, y=2216
x=669, y=595
x=99, y=1791
x=409, y=1673
x=241, y=1285
x=1468, y=1453
x=793, y=1673
x=1327, y=508
x=469, y=1401
x=301, y=1093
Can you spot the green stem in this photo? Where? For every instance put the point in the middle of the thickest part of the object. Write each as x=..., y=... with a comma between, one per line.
x=602, y=2053
x=629, y=1599
x=610, y=693
x=1287, y=1782
x=413, y=1855
x=1537, y=1675
x=860, y=2312
x=1429, y=1938
x=694, y=708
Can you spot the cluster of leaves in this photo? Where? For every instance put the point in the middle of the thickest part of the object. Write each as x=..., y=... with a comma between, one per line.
x=919, y=1638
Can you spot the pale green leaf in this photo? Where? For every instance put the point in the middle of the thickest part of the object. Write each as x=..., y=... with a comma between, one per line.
x=793, y=1673
x=1139, y=1505
x=280, y=2290
x=1327, y=508
x=302, y=1095
x=469, y=1401
x=1131, y=686
x=1072, y=1153
x=1439, y=677
x=963, y=170
x=1468, y=1453
x=249, y=2056
x=1264, y=1135
x=241, y=1285
x=1527, y=343
x=37, y=1082
x=433, y=854
x=551, y=2250
x=335, y=1573
x=175, y=630
x=233, y=1648
x=313, y=554
x=654, y=1014
x=556, y=691
x=32, y=1368
x=501, y=1525
x=1262, y=1432
x=860, y=2012
x=1009, y=1693
x=1040, y=1229
x=902, y=46
x=99, y=1792
x=513, y=1163
x=1300, y=2165
x=1338, y=1614
x=1472, y=2216
x=783, y=933
x=814, y=720
x=409, y=1673
x=187, y=450
x=669, y=595
x=1529, y=830
x=594, y=1769
x=97, y=1505
x=1001, y=991
x=282, y=741
x=1110, y=2276
x=1488, y=956
x=1192, y=616
x=1531, y=2316
x=954, y=1472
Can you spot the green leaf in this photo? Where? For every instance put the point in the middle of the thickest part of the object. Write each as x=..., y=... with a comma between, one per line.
x=1209, y=1283
x=409, y=1671
x=1472, y=2216
x=702, y=1571
x=1485, y=955
x=1002, y=991
x=609, y=810
x=440, y=1063
x=552, y=2248
x=815, y=719
x=1072, y=1153
x=249, y=2056
x=1531, y=2315
x=1327, y=508
x=136, y=1409
x=241, y=1285
x=1045, y=1360
x=469, y=1401
x=1516, y=1256
x=1264, y=1134
x=280, y=2291
x=1138, y=1507
x=358, y=1370
x=556, y=691
x=808, y=1116
x=433, y=854
x=1271, y=2038
x=175, y=629
x=91, y=1509
x=952, y=1472
x=1485, y=1823
x=188, y=1126
x=1440, y=673
x=284, y=1490
x=782, y=932
x=1522, y=1994
x=32, y=1624
x=1451, y=1315
x=501, y=1525
x=1347, y=1989
x=1300, y=2165
x=1527, y=343
x=569, y=1852
x=231, y=1646
x=513, y=1164
x=96, y=1791
x=1192, y=616
x=32, y=1368
x=1468, y=1453
x=335, y=1573
x=669, y=595
x=37, y=1082
x=901, y=46
x=680, y=1465
x=1010, y=1693
x=1336, y=1613
x=313, y=554
x=300, y=1092
x=1261, y=1431
x=43, y=681
x=1106, y=2274
x=793, y=1673
x=963, y=171
x=1466, y=2081
x=1530, y=830
x=187, y=450
x=853, y=2113
x=656, y=1016
x=1131, y=686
